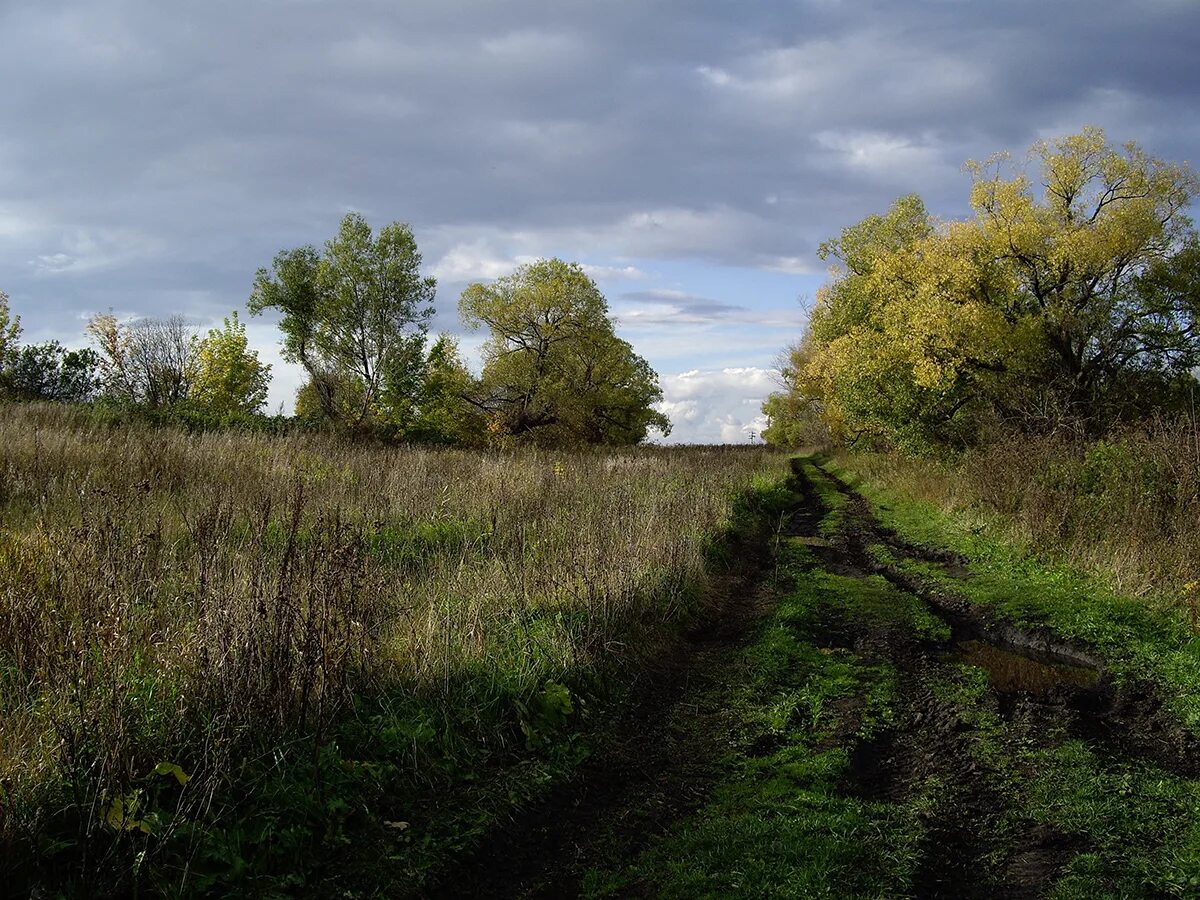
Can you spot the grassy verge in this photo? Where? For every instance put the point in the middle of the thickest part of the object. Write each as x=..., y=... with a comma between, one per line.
x=1137, y=638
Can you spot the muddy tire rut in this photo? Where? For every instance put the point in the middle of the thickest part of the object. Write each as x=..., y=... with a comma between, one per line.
x=1059, y=691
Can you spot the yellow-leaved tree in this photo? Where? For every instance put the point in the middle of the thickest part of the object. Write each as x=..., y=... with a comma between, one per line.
x=1066, y=305
x=228, y=378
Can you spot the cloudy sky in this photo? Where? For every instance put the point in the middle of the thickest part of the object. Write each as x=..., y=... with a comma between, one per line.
x=154, y=153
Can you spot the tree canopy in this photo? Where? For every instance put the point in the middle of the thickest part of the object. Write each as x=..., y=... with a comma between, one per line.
x=228, y=377
x=354, y=316
x=10, y=331
x=49, y=371
x=1068, y=305
x=554, y=370
x=148, y=361
x=443, y=412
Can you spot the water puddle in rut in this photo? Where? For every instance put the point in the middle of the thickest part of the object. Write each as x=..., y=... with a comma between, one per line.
x=1022, y=671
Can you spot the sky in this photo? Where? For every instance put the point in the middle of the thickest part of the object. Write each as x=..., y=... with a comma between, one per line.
x=691, y=155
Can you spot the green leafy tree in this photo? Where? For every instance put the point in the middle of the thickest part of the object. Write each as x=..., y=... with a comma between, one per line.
x=354, y=316
x=444, y=415
x=315, y=395
x=794, y=415
x=10, y=333
x=49, y=371
x=554, y=370
x=228, y=377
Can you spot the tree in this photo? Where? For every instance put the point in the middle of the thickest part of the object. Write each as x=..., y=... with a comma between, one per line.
x=112, y=339
x=10, y=333
x=149, y=362
x=554, y=369
x=49, y=371
x=162, y=356
x=354, y=316
x=910, y=333
x=314, y=397
x=1038, y=311
x=794, y=416
x=228, y=377
x=1081, y=259
x=10, y=330
x=444, y=415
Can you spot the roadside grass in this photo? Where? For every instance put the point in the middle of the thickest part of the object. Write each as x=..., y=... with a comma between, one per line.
x=1136, y=638
x=1124, y=508
x=1138, y=827
x=232, y=661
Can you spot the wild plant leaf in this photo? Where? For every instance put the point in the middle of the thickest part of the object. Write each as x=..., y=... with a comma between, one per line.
x=121, y=814
x=166, y=768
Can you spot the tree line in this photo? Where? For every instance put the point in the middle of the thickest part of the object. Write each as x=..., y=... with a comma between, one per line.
x=354, y=315
x=1069, y=302
x=151, y=364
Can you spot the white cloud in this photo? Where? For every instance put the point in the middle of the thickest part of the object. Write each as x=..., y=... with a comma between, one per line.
x=535, y=45
x=480, y=260
x=716, y=406
x=475, y=261
x=614, y=273
x=832, y=73
x=714, y=232
x=879, y=153
x=714, y=75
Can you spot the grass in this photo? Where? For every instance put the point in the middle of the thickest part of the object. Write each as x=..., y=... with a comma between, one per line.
x=1124, y=508
x=1137, y=826
x=229, y=659
x=1136, y=638
x=780, y=824
x=818, y=684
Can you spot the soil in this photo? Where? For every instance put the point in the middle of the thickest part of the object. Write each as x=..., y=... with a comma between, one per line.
x=660, y=761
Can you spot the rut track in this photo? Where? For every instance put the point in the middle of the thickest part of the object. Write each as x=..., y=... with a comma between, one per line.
x=1128, y=719
x=659, y=761
x=1126, y=722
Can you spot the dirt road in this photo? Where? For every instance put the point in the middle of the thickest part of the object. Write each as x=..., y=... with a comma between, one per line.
x=849, y=723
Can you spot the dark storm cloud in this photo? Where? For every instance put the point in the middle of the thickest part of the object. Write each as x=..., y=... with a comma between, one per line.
x=154, y=154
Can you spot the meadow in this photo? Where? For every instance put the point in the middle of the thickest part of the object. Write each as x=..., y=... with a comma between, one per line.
x=1123, y=508
x=225, y=654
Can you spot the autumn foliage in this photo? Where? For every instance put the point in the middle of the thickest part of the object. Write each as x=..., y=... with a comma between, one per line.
x=1068, y=300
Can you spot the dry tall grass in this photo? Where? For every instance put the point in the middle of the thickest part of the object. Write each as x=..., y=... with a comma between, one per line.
x=1126, y=508
x=172, y=599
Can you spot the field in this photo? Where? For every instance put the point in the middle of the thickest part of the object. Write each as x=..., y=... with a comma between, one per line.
x=222, y=654
x=289, y=665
